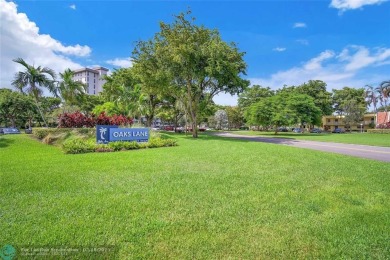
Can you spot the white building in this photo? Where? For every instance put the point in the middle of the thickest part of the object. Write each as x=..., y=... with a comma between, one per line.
x=92, y=78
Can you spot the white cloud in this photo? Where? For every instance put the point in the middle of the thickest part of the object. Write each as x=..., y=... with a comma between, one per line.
x=347, y=68
x=316, y=63
x=299, y=25
x=303, y=41
x=279, y=49
x=20, y=37
x=344, y=5
x=73, y=6
x=121, y=62
x=363, y=58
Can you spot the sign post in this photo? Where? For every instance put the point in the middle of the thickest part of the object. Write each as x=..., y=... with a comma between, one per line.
x=110, y=133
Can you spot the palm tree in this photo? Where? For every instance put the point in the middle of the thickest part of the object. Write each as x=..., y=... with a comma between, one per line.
x=371, y=97
x=32, y=79
x=69, y=89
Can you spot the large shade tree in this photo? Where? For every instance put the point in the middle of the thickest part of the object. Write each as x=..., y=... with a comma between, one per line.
x=15, y=108
x=196, y=63
x=353, y=112
x=33, y=80
x=317, y=90
x=345, y=95
x=283, y=110
x=253, y=94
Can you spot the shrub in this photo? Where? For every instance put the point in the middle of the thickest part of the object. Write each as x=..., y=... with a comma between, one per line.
x=120, y=120
x=85, y=131
x=79, y=120
x=155, y=142
x=74, y=120
x=169, y=142
x=379, y=131
x=117, y=146
x=48, y=139
x=78, y=145
x=383, y=126
x=158, y=142
x=131, y=145
x=41, y=133
x=102, y=148
x=53, y=137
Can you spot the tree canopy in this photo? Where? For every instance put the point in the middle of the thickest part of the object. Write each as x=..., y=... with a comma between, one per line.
x=283, y=110
x=32, y=79
x=192, y=63
x=69, y=89
x=345, y=95
x=253, y=94
x=317, y=90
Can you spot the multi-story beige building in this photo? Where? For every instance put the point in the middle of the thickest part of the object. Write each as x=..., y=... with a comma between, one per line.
x=93, y=78
x=330, y=123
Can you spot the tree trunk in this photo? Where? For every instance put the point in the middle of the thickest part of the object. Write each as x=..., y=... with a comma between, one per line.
x=194, y=129
x=149, y=120
x=12, y=119
x=192, y=110
x=40, y=112
x=175, y=121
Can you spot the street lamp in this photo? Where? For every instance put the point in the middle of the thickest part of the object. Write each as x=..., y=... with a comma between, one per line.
x=361, y=128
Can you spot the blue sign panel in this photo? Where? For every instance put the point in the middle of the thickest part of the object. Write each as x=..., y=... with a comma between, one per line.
x=111, y=133
x=103, y=134
x=129, y=134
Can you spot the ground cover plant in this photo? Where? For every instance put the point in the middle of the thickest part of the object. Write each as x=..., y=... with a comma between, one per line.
x=207, y=198
x=348, y=138
x=83, y=140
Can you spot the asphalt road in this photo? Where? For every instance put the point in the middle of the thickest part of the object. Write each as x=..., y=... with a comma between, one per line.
x=362, y=151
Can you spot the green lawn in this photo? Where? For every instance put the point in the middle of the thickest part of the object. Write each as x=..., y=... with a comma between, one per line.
x=207, y=198
x=348, y=138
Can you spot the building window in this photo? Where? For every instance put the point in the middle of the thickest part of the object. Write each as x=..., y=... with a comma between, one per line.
x=336, y=120
x=328, y=120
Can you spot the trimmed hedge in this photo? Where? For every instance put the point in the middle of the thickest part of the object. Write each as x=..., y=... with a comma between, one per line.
x=76, y=146
x=379, y=131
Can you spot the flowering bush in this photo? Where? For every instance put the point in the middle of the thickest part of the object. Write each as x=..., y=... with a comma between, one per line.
x=78, y=120
x=384, y=126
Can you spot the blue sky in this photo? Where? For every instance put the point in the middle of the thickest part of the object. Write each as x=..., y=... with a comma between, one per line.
x=343, y=42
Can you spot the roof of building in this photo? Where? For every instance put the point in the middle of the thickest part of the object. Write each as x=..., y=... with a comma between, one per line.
x=86, y=69
x=100, y=68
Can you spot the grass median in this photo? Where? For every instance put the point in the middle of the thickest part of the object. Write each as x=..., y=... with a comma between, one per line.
x=347, y=138
x=207, y=198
